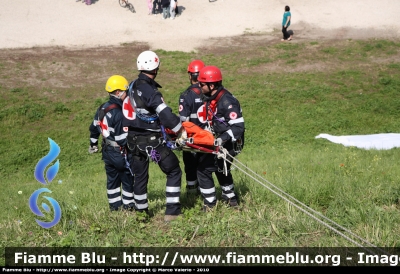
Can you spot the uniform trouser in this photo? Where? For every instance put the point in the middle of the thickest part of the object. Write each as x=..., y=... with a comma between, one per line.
x=169, y=165
x=190, y=160
x=207, y=165
x=117, y=175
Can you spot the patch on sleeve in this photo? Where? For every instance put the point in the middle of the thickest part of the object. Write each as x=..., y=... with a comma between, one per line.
x=128, y=110
x=233, y=115
x=180, y=107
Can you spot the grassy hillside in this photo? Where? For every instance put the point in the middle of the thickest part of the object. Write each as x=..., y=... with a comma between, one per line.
x=290, y=93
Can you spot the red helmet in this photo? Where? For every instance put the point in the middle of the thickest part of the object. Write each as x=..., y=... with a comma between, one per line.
x=210, y=74
x=195, y=66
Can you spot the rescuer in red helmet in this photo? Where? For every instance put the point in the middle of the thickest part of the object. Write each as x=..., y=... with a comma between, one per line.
x=222, y=115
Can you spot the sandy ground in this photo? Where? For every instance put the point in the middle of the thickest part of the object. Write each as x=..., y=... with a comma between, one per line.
x=36, y=23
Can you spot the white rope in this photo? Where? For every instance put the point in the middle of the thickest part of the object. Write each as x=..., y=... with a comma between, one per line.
x=302, y=207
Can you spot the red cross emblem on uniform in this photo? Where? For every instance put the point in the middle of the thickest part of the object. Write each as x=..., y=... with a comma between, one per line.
x=202, y=114
x=128, y=110
x=104, y=127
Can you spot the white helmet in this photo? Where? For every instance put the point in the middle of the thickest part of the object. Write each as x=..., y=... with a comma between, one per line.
x=147, y=60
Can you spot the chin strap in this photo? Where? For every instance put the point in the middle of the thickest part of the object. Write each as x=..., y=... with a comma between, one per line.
x=151, y=72
x=118, y=97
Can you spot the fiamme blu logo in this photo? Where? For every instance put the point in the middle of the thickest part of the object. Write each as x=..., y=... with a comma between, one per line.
x=41, y=175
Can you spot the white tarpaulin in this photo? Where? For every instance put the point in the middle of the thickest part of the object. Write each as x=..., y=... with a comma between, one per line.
x=372, y=141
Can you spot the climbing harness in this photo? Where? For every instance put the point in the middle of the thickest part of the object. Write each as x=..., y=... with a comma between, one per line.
x=147, y=145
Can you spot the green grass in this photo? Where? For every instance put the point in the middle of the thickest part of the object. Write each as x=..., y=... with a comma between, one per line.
x=289, y=93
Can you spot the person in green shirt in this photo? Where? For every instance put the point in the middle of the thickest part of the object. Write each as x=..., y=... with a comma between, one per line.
x=287, y=16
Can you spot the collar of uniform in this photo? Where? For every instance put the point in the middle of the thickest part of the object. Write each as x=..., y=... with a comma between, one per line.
x=208, y=99
x=115, y=100
x=149, y=80
x=195, y=85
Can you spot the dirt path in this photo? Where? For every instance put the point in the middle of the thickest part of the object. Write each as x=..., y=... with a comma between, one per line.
x=74, y=42
x=25, y=24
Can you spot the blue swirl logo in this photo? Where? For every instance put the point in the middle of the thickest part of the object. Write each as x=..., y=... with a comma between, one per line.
x=45, y=161
x=35, y=209
x=50, y=175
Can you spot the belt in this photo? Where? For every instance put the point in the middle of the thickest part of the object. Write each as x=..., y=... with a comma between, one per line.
x=111, y=143
x=144, y=139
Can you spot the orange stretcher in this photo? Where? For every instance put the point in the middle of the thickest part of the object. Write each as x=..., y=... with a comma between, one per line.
x=197, y=139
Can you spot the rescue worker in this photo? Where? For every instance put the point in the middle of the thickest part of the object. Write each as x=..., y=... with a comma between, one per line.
x=222, y=115
x=189, y=103
x=145, y=115
x=108, y=123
